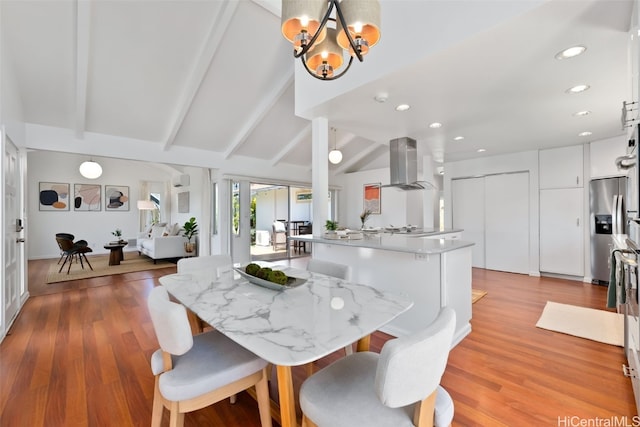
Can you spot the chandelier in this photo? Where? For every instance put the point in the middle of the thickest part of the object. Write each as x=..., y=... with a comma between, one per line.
x=355, y=29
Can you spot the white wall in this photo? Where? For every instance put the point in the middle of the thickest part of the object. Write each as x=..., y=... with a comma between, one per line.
x=95, y=227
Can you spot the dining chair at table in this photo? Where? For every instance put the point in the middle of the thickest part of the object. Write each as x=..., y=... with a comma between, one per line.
x=398, y=387
x=193, y=372
x=333, y=269
x=214, y=262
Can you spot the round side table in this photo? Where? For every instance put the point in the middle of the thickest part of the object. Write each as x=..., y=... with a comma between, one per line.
x=115, y=248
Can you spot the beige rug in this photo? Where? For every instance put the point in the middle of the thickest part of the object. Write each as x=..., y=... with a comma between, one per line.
x=100, y=263
x=476, y=294
x=596, y=325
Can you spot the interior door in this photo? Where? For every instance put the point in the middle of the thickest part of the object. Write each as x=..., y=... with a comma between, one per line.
x=13, y=253
x=467, y=207
x=507, y=222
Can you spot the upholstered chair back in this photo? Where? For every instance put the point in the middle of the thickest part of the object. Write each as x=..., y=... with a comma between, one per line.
x=410, y=367
x=170, y=322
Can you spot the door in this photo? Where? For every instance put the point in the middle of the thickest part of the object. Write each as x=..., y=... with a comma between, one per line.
x=507, y=222
x=467, y=207
x=561, y=231
x=13, y=254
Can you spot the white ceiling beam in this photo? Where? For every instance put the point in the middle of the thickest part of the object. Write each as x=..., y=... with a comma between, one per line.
x=208, y=50
x=260, y=111
x=304, y=133
x=273, y=6
x=355, y=159
x=83, y=33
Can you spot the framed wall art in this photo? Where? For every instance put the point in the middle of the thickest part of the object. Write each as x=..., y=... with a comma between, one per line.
x=87, y=197
x=371, y=193
x=54, y=196
x=183, y=202
x=116, y=198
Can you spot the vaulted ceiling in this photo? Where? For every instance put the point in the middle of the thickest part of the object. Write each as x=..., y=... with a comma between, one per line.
x=217, y=78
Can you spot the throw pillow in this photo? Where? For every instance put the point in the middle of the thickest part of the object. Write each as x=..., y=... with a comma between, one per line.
x=157, y=231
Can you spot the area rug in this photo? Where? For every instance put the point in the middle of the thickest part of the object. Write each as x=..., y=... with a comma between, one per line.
x=476, y=294
x=100, y=263
x=596, y=325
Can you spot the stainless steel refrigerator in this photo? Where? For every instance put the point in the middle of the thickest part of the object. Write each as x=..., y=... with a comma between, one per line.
x=608, y=216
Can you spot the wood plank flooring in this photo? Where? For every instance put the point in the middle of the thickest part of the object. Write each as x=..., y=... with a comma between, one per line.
x=80, y=357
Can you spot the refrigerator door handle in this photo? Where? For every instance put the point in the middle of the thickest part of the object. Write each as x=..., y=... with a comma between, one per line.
x=614, y=215
x=620, y=212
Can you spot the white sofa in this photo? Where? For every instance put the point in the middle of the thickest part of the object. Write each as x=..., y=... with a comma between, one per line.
x=162, y=242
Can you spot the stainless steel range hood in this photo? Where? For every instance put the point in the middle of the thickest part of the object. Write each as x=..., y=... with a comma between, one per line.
x=404, y=165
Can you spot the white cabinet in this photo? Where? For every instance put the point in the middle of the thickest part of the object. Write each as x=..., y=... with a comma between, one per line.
x=561, y=167
x=561, y=231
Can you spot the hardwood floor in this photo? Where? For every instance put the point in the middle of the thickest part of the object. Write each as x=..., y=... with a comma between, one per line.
x=80, y=357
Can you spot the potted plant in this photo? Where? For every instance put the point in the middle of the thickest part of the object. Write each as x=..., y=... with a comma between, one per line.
x=331, y=226
x=190, y=230
x=364, y=216
x=118, y=234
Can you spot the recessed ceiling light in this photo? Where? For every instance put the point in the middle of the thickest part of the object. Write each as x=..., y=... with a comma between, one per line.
x=458, y=138
x=481, y=150
x=570, y=52
x=403, y=107
x=582, y=113
x=435, y=125
x=587, y=133
x=381, y=98
x=577, y=89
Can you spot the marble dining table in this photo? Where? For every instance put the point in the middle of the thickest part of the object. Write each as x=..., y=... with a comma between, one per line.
x=288, y=327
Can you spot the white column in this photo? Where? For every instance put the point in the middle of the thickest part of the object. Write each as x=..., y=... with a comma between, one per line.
x=320, y=173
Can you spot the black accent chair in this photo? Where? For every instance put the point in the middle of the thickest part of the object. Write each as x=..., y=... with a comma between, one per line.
x=70, y=250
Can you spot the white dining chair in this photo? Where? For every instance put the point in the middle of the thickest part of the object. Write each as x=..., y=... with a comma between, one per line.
x=192, y=372
x=333, y=269
x=398, y=387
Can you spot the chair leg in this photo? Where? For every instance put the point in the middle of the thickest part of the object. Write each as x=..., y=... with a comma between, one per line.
x=62, y=266
x=81, y=262
x=87, y=261
x=156, y=414
x=176, y=418
x=264, y=402
x=306, y=422
x=424, y=411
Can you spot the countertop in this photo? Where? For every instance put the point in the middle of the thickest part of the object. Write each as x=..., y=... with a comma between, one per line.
x=424, y=243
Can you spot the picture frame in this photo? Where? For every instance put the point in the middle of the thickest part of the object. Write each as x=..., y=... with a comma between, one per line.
x=87, y=197
x=371, y=195
x=116, y=198
x=183, y=202
x=54, y=196
x=304, y=196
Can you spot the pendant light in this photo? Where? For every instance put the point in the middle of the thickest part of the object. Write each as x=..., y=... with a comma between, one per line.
x=335, y=155
x=90, y=169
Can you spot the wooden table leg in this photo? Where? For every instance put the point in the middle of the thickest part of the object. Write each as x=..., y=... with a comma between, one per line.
x=363, y=343
x=286, y=397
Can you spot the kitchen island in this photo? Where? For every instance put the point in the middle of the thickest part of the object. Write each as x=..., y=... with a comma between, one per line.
x=433, y=270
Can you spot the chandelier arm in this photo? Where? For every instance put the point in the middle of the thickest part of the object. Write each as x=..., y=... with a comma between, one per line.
x=335, y=76
x=323, y=24
x=345, y=28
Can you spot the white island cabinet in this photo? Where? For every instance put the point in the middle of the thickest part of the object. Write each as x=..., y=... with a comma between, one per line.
x=432, y=272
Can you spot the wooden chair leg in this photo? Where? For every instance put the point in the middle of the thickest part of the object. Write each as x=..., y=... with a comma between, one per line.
x=176, y=418
x=264, y=402
x=156, y=413
x=424, y=411
x=306, y=422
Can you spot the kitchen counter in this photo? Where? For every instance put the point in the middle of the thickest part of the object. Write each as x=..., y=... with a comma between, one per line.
x=432, y=269
x=416, y=243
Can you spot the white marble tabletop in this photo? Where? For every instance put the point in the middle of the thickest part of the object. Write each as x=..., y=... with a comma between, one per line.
x=290, y=327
